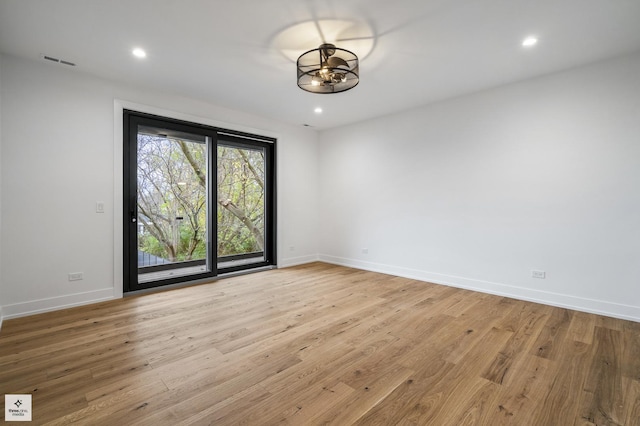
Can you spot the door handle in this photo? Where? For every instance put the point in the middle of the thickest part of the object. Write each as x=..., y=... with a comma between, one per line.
x=133, y=217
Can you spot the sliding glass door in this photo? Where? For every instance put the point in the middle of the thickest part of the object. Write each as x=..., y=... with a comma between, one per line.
x=198, y=202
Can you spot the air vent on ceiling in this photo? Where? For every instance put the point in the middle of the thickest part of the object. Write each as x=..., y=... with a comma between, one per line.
x=59, y=61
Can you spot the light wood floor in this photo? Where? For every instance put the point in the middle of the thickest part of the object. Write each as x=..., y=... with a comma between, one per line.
x=320, y=344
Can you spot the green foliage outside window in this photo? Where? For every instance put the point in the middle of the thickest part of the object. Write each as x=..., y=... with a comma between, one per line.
x=172, y=199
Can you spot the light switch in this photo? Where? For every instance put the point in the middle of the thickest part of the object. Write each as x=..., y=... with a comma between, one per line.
x=99, y=207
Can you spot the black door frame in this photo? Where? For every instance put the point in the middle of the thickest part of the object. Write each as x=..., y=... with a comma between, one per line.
x=131, y=121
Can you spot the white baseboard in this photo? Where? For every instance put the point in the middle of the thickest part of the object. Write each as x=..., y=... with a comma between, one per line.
x=599, y=307
x=54, y=303
x=301, y=260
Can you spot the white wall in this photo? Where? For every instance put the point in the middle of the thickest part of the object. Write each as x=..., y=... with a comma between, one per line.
x=59, y=156
x=478, y=191
x=1, y=297
x=474, y=192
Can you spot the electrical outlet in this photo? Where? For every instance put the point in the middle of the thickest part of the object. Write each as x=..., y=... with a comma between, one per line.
x=292, y=248
x=538, y=274
x=365, y=251
x=76, y=276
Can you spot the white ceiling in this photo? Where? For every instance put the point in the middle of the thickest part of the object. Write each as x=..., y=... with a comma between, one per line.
x=237, y=53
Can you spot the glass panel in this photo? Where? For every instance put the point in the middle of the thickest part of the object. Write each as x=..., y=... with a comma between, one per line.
x=172, y=204
x=241, y=205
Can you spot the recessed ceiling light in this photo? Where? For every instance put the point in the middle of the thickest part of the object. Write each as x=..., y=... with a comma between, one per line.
x=529, y=41
x=139, y=52
x=318, y=110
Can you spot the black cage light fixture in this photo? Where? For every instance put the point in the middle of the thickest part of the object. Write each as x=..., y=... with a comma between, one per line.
x=328, y=69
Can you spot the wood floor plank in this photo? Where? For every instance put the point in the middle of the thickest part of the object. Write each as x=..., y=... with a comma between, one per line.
x=240, y=405
x=414, y=398
x=118, y=408
x=553, y=334
x=632, y=397
x=582, y=327
x=517, y=346
x=561, y=403
x=523, y=390
x=323, y=344
x=603, y=386
x=479, y=404
x=365, y=398
x=631, y=352
x=323, y=370
x=321, y=403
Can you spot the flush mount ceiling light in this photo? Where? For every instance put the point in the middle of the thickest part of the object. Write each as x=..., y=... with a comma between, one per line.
x=139, y=53
x=529, y=41
x=328, y=69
